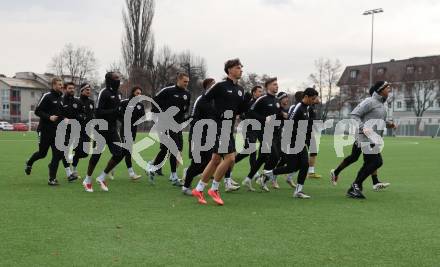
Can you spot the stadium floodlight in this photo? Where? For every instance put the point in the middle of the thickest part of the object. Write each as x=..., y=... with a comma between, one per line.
x=367, y=13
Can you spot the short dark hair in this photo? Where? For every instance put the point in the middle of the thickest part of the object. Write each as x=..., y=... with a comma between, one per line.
x=136, y=87
x=232, y=63
x=207, y=82
x=255, y=88
x=299, y=96
x=69, y=83
x=269, y=81
x=310, y=92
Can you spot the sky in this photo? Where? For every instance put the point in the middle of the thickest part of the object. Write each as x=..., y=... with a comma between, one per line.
x=281, y=38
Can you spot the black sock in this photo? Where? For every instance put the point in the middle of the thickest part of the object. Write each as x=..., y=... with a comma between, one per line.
x=375, y=179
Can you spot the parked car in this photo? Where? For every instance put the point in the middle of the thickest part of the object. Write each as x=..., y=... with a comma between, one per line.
x=6, y=126
x=21, y=127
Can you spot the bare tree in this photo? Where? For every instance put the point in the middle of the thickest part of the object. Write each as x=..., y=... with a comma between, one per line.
x=77, y=63
x=325, y=79
x=195, y=67
x=138, y=41
x=162, y=69
x=423, y=95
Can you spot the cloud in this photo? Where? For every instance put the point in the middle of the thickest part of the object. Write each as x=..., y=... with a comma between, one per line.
x=277, y=37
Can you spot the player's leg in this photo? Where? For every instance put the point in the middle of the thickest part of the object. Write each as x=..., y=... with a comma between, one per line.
x=302, y=159
x=43, y=148
x=372, y=162
x=356, y=152
x=178, y=139
x=57, y=156
x=312, y=163
x=112, y=137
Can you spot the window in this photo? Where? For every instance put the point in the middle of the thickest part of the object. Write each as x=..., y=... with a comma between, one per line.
x=409, y=105
x=380, y=71
x=15, y=95
x=353, y=74
x=419, y=70
x=432, y=69
x=410, y=69
x=399, y=104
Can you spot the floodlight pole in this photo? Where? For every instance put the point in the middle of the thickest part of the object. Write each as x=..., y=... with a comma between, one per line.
x=372, y=12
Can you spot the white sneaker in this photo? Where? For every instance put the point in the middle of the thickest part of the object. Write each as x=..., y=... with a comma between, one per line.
x=187, y=192
x=234, y=182
x=103, y=185
x=333, y=177
x=175, y=180
x=231, y=188
x=264, y=187
x=380, y=186
x=301, y=195
x=248, y=184
x=135, y=176
x=87, y=187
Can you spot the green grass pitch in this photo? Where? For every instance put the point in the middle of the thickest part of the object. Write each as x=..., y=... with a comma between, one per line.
x=142, y=225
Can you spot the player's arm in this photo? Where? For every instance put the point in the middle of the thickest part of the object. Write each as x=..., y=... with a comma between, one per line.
x=42, y=106
x=102, y=103
x=161, y=98
x=360, y=111
x=255, y=112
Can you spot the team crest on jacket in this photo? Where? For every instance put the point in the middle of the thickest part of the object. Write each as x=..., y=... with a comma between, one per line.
x=278, y=105
x=240, y=93
x=75, y=105
x=185, y=97
x=138, y=107
x=91, y=106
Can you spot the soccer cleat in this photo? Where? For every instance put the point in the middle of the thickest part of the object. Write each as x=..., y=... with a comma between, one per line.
x=200, y=197
x=176, y=182
x=380, y=186
x=87, y=187
x=259, y=180
x=248, y=183
x=187, y=191
x=301, y=195
x=27, y=169
x=230, y=187
x=291, y=183
x=234, y=183
x=216, y=197
x=150, y=175
x=264, y=187
x=333, y=177
x=53, y=182
x=135, y=176
x=355, y=192
x=275, y=184
x=72, y=178
x=314, y=176
x=75, y=173
x=103, y=185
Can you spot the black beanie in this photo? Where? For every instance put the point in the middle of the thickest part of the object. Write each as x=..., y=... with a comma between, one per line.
x=281, y=95
x=378, y=86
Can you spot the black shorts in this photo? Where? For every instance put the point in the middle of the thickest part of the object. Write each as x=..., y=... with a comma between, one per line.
x=223, y=149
